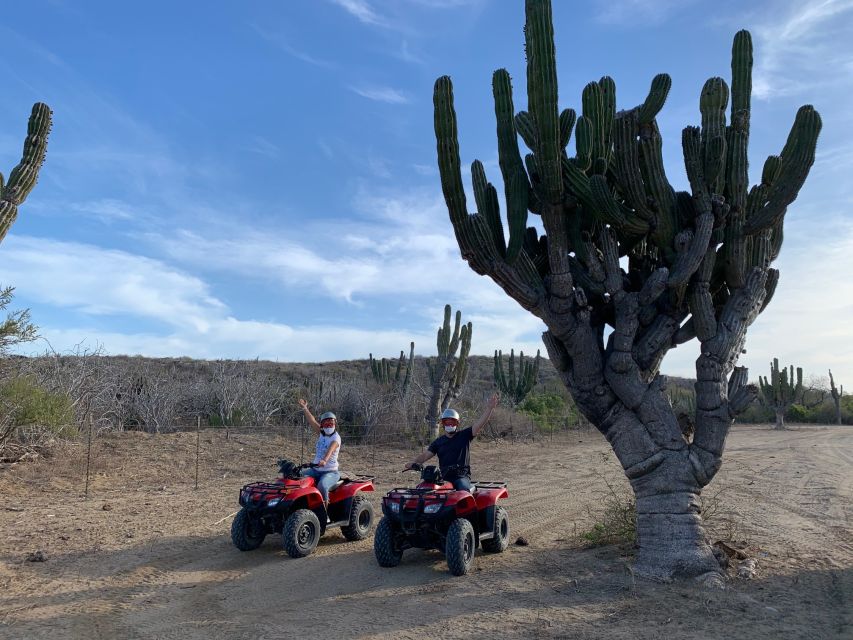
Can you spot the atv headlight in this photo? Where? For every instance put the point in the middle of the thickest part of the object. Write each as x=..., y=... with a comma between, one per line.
x=395, y=507
x=432, y=508
x=273, y=502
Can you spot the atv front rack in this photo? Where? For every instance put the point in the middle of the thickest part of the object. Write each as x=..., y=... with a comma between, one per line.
x=258, y=492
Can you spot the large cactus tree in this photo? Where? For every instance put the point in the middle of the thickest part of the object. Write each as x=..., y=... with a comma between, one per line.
x=447, y=372
x=781, y=390
x=623, y=249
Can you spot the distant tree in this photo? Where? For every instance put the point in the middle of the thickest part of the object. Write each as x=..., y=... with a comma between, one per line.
x=17, y=328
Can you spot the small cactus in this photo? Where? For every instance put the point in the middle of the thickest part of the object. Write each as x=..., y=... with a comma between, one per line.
x=448, y=372
x=837, y=393
x=401, y=378
x=515, y=387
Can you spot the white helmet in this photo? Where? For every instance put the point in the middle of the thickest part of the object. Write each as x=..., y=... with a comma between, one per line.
x=450, y=413
x=328, y=415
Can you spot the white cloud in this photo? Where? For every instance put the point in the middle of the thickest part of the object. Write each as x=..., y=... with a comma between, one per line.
x=282, y=42
x=808, y=321
x=361, y=10
x=381, y=94
x=99, y=282
x=798, y=48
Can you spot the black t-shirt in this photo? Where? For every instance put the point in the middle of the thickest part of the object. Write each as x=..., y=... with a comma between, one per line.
x=454, y=452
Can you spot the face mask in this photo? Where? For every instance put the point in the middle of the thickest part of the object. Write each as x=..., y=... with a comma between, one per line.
x=328, y=430
x=450, y=429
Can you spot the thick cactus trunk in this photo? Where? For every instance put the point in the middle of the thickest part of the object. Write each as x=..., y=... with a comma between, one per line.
x=671, y=541
x=780, y=420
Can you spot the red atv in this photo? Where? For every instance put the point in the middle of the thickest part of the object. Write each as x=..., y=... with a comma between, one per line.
x=293, y=507
x=436, y=516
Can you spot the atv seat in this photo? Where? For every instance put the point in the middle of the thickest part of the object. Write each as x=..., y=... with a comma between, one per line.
x=339, y=483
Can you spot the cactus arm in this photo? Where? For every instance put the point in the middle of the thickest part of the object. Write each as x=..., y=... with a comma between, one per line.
x=796, y=159
x=542, y=95
x=24, y=176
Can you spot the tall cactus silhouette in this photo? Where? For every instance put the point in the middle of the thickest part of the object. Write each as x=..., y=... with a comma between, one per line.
x=401, y=378
x=515, y=387
x=623, y=248
x=836, y=393
x=24, y=176
x=780, y=391
x=448, y=372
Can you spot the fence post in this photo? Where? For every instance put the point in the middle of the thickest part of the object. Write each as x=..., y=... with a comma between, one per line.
x=197, y=447
x=302, y=441
x=88, y=458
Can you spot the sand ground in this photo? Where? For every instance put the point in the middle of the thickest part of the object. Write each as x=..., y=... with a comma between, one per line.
x=147, y=556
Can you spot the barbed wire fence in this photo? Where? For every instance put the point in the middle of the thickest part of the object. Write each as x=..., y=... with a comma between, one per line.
x=367, y=446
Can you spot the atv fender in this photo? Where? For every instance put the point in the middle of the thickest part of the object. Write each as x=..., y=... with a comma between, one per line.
x=463, y=502
x=490, y=497
x=349, y=489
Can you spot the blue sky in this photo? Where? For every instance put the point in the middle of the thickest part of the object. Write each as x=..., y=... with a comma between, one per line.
x=258, y=179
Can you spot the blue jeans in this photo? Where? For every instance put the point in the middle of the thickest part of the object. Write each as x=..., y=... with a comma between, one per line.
x=462, y=483
x=323, y=480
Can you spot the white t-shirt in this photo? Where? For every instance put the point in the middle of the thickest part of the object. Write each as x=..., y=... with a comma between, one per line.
x=323, y=444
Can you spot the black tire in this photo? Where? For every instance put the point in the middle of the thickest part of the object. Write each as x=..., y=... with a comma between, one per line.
x=461, y=543
x=301, y=533
x=246, y=533
x=360, y=519
x=500, y=541
x=388, y=554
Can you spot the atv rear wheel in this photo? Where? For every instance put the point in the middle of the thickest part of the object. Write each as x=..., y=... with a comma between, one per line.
x=301, y=533
x=500, y=539
x=360, y=519
x=246, y=532
x=388, y=554
x=461, y=543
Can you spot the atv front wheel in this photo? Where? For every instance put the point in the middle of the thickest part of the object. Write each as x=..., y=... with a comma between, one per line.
x=500, y=539
x=246, y=532
x=360, y=519
x=301, y=533
x=460, y=546
x=388, y=554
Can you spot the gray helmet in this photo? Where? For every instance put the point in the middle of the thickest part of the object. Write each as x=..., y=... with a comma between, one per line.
x=450, y=413
x=328, y=415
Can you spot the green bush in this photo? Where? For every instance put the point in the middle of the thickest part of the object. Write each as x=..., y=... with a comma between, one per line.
x=547, y=410
x=798, y=413
x=34, y=406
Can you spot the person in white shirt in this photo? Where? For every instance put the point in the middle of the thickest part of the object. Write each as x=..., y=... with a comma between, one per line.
x=325, y=474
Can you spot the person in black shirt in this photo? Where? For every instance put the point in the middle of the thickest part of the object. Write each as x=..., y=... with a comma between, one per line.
x=453, y=447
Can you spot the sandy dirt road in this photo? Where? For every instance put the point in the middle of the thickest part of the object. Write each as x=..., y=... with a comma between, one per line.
x=143, y=558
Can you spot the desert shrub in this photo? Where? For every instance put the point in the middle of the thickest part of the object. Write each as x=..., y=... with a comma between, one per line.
x=616, y=521
x=34, y=405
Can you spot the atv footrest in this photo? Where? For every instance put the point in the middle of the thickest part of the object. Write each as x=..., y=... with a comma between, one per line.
x=489, y=485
